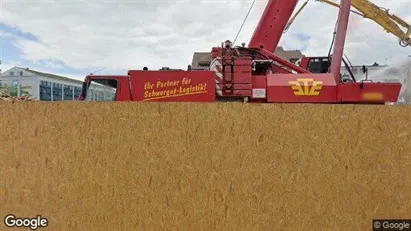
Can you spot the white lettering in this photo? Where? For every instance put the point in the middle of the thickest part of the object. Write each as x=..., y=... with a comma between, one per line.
x=32, y=223
x=396, y=225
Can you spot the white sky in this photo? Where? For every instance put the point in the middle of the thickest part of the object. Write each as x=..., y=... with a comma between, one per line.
x=132, y=34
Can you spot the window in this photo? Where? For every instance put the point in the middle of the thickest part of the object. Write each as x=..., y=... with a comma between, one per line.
x=45, y=83
x=57, y=92
x=77, y=91
x=45, y=91
x=68, y=92
x=101, y=95
x=203, y=63
x=21, y=73
x=11, y=72
x=101, y=90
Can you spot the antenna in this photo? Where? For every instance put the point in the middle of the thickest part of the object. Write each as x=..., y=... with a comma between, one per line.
x=92, y=73
x=245, y=19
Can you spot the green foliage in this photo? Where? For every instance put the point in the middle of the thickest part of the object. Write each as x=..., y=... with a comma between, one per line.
x=13, y=91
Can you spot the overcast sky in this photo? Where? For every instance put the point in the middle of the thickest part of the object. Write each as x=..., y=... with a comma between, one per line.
x=76, y=37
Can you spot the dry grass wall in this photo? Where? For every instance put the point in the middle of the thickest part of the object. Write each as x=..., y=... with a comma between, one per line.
x=128, y=166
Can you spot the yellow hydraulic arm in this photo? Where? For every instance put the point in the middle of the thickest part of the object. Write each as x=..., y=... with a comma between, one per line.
x=390, y=22
x=381, y=16
x=295, y=16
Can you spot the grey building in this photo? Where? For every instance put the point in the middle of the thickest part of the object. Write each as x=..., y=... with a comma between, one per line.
x=41, y=86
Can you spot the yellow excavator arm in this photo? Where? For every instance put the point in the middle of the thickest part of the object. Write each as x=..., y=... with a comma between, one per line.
x=295, y=16
x=390, y=22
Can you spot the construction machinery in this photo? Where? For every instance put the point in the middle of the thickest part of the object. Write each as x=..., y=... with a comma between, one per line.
x=253, y=73
x=390, y=22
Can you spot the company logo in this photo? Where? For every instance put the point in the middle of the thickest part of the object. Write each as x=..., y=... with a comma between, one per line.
x=306, y=87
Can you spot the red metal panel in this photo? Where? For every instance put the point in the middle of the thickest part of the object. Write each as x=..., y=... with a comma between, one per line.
x=236, y=86
x=259, y=89
x=241, y=74
x=343, y=17
x=283, y=62
x=243, y=61
x=123, y=89
x=310, y=88
x=236, y=93
x=369, y=93
x=304, y=62
x=244, y=93
x=239, y=77
x=272, y=23
x=173, y=86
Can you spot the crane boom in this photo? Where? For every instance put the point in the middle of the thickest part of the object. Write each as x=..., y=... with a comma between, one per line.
x=268, y=32
x=390, y=22
x=343, y=18
x=255, y=73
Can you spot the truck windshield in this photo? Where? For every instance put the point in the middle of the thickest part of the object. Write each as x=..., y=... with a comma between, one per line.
x=101, y=90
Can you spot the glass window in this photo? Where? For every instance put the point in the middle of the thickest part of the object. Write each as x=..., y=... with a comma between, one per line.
x=77, y=91
x=107, y=90
x=68, y=92
x=57, y=92
x=45, y=92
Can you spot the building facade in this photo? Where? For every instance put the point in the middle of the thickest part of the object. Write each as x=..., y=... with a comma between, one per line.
x=41, y=86
x=49, y=87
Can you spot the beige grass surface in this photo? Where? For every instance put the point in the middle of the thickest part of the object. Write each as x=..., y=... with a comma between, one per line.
x=128, y=166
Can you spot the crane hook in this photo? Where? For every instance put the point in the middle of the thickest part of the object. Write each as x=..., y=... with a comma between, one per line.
x=404, y=43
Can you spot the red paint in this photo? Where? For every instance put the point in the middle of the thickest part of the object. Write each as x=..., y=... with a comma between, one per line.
x=254, y=71
x=173, y=86
x=270, y=28
x=281, y=61
x=338, y=51
x=259, y=82
x=353, y=92
x=304, y=62
x=280, y=89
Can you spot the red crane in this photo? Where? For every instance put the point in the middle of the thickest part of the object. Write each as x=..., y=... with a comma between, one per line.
x=254, y=73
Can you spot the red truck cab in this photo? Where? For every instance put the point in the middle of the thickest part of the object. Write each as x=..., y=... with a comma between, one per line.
x=144, y=85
